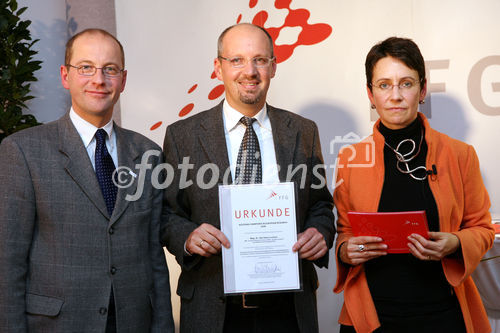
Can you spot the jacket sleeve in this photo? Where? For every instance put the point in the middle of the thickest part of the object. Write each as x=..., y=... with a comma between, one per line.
x=162, y=321
x=341, y=199
x=476, y=232
x=176, y=225
x=17, y=222
x=320, y=213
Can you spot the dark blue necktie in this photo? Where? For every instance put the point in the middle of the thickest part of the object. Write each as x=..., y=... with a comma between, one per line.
x=104, y=168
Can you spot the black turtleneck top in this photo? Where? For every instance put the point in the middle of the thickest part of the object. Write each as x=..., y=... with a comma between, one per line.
x=401, y=284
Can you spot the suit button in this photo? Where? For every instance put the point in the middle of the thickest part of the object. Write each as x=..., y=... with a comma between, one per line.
x=103, y=311
x=111, y=231
x=113, y=270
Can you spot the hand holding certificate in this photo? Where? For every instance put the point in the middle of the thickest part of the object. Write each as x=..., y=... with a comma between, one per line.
x=259, y=221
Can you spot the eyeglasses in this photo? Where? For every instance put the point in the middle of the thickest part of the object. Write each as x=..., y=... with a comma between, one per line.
x=404, y=86
x=90, y=70
x=240, y=62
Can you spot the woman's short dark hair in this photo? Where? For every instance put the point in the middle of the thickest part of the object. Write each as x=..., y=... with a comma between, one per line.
x=403, y=49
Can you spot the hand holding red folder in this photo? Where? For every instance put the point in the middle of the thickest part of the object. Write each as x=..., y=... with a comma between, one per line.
x=357, y=250
x=394, y=227
x=438, y=246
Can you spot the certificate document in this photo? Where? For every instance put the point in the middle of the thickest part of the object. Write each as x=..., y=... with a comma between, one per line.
x=260, y=222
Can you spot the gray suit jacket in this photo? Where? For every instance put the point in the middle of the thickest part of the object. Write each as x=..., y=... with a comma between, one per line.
x=201, y=139
x=60, y=251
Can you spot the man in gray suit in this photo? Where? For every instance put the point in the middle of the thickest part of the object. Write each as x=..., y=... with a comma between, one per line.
x=191, y=228
x=75, y=255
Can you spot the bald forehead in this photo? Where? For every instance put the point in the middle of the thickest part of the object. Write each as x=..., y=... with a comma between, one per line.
x=91, y=35
x=245, y=29
x=86, y=35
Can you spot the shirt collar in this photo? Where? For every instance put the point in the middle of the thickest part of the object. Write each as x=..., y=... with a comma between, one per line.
x=232, y=117
x=86, y=129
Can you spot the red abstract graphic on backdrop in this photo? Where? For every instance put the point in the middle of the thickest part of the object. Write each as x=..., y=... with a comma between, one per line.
x=311, y=34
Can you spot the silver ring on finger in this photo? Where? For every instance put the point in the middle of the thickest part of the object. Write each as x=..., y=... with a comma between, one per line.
x=361, y=247
x=201, y=243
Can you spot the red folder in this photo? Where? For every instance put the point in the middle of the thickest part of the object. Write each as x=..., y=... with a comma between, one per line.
x=393, y=227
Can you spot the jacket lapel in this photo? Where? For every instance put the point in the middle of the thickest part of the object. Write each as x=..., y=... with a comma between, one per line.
x=213, y=141
x=285, y=139
x=128, y=156
x=78, y=164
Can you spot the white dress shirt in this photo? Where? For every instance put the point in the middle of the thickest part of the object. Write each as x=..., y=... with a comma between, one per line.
x=234, y=132
x=87, y=133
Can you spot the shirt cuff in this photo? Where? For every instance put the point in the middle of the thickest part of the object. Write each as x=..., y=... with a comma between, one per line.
x=186, y=252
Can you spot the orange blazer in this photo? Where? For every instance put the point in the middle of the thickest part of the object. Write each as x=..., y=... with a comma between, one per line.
x=463, y=206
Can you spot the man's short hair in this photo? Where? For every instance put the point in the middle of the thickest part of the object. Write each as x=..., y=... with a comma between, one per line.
x=69, y=43
x=403, y=49
x=223, y=34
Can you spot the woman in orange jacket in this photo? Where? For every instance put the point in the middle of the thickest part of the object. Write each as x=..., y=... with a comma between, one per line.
x=414, y=168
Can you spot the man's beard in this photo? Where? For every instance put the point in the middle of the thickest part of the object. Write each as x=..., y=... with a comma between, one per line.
x=250, y=99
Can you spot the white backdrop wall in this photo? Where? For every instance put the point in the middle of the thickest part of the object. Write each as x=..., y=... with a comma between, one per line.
x=170, y=47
